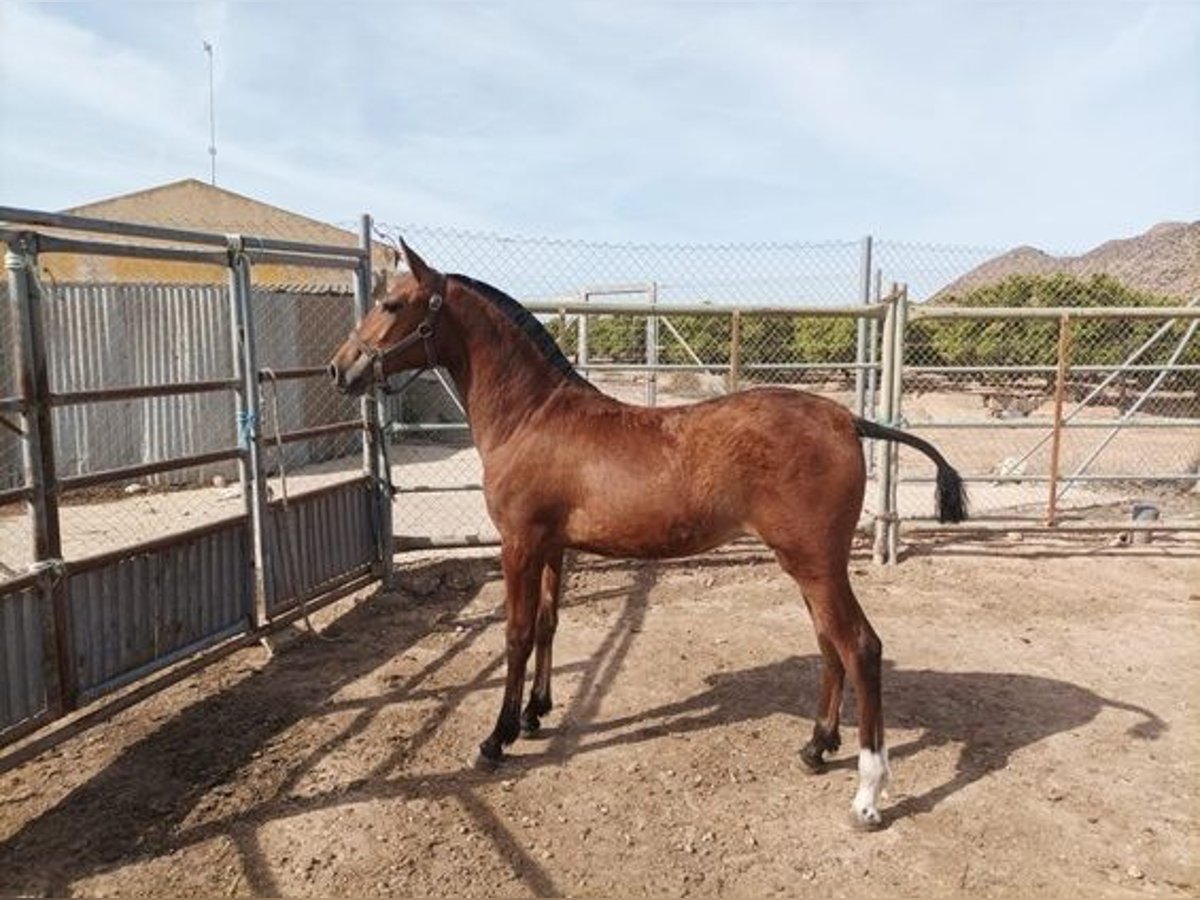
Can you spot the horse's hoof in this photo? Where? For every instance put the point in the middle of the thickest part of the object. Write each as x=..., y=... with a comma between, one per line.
x=814, y=760
x=487, y=763
x=866, y=820
x=530, y=726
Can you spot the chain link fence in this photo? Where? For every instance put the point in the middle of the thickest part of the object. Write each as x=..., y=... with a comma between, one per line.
x=982, y=389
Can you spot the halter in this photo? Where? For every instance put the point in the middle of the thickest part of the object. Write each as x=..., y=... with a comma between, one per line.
x=423, y=332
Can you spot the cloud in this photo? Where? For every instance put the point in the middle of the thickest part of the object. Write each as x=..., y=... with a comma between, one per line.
x=1058, y=123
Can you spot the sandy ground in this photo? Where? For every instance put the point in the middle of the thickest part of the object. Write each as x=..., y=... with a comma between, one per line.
x=1040, y=699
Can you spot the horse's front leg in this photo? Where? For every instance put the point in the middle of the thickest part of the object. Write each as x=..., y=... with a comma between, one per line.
x=522, y=566
x=540, y=701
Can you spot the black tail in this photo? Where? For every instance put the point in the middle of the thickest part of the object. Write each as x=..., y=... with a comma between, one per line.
x=951, y=495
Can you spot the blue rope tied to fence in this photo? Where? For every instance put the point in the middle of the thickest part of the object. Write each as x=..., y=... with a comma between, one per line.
x=247, y=424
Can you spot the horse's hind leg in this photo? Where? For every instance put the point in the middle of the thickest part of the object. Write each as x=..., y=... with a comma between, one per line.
x=842, y=626
x=826, y=737
x=540, y=701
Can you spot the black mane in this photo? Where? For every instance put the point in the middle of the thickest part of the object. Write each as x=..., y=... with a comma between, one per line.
x=527, y=323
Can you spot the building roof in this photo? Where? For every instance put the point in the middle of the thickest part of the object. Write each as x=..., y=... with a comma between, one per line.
x=194, y=205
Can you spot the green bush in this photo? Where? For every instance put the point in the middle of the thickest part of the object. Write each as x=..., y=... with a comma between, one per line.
x=1021, y=342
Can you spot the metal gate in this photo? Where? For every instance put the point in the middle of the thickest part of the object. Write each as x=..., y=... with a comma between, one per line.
x=171, y=486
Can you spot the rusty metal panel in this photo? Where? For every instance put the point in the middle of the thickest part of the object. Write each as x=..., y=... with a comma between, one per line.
x=139, y=610
x=22, y=684
x=317, y=538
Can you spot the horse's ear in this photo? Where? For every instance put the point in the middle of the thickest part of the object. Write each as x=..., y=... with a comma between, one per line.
x=379, y=284
x=425, y=276
x=381, y=279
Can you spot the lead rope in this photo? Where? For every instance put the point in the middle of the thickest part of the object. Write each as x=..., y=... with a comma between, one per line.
x=285, y=532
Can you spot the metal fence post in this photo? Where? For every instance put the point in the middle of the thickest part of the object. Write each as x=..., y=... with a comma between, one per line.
x=894, y=419
x=1060, y=389
x=885, y=449
x=254, y=486
x=581, y=342
x=375, y=458
x=872, y=404
x=39, y=471
x=652, y=350
x=735, y=350
x=860, y=353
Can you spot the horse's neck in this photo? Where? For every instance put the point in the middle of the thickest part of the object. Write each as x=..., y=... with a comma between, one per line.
x=501, y=376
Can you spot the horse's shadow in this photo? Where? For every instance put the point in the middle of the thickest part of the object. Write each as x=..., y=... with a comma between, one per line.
x=989, y=715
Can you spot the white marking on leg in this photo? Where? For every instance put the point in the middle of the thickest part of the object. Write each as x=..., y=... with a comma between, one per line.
x=873, y=775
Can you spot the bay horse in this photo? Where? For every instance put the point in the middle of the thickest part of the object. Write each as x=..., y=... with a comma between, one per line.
x=566, y=466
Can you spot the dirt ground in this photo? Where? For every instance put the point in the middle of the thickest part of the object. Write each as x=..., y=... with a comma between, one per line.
x=1040, y=698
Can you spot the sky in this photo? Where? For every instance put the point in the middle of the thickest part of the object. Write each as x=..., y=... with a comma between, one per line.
x=996, y=124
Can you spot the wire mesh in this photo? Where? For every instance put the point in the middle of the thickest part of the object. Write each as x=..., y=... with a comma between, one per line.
x=986, y=390
x=981, y=390
x=296, y=333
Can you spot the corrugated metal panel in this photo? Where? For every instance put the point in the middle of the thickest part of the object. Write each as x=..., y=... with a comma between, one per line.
x=11, y=475
x=319, y=537
x=103, y=336
x=116, y=335
x=132, y=614
x=22, y=686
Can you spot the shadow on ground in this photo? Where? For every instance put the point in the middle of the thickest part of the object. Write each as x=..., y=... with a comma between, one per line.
x=140, y=806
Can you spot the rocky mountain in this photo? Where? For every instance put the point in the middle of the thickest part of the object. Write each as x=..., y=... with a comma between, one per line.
x=1164, y=261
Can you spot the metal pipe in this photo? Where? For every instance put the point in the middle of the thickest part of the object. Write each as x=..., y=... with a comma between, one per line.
x=37, y=448
x=12, y=495
x=307, y=260
x=51, y=244
x=1040, y=479
x=1048, y=370
x=126, y=473
x=376, y=462
x=735, y=351
x=860, y=351
x=1060, y=389
x=931, y=526
x=294, y=373
x=1055, y=312
x=1068, y=425
x=885, y=449
x=15, y=215
x=581, y=333
x=250, y=437
x=241, y=412
x=894, y=417
x=315, y=431
x=71, y=398
x=652, y=349
x=593, y=308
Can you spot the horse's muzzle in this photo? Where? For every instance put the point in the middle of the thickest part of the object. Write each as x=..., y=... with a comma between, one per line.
x=353, y=379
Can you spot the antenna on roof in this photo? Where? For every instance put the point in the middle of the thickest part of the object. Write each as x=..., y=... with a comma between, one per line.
x=212, y=115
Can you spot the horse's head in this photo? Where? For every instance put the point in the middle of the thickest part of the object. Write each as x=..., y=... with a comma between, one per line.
x=398, y=333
